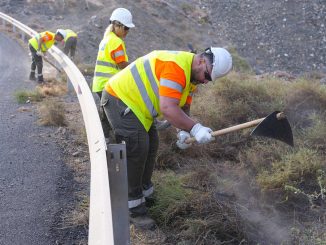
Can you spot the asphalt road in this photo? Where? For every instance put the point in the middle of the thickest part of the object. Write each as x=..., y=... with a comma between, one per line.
x=31, y=164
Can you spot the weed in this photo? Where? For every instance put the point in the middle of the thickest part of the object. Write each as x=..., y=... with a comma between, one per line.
x=52, y=113
x=28, y=96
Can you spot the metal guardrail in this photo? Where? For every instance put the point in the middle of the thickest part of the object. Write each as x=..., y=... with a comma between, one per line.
x=100, y=214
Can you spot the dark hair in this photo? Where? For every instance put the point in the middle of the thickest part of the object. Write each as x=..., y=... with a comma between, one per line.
x=59, y=34
x=208, y=54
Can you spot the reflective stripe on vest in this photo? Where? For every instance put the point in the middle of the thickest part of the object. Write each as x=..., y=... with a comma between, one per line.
x=171, y=84
x=119, y=53
x=142, y=89
x=106, y=63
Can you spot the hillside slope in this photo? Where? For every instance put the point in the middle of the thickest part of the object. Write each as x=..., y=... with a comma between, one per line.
x=271, y=35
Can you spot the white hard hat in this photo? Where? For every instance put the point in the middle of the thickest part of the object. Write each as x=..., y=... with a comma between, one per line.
x=61, y=32
x=123, y=16
x=222, y=62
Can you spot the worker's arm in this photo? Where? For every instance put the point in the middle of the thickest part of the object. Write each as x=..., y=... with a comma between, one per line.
x=174, y=114
x=186, y=109
x=123, y=64
x=39, y=43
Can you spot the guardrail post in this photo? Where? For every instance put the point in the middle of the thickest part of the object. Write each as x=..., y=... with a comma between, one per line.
x=23, y=36
x=117, y=168
x=13, y=28
x=3, y=23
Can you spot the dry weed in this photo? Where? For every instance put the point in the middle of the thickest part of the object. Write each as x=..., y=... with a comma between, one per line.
x=51, y=113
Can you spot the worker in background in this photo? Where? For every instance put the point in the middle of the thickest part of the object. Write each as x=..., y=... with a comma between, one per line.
x=159, y=83
x=38, y=46
x=70, y=42
x=112, y=56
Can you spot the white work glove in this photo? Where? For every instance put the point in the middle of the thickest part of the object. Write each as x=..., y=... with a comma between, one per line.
x=202, y=134
x=40, y=53
x=182, y=136
x=161, y=125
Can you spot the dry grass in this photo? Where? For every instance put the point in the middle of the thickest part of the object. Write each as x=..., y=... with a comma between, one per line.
x=53, y=87
x=52, y=113
x=237, y=182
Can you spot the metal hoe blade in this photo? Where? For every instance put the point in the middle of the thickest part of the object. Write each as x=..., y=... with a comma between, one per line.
x=275, y=126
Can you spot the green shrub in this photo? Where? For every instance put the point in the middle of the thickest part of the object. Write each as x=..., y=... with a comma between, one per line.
x=170, y=196
x=25, y=96
x=293, y=169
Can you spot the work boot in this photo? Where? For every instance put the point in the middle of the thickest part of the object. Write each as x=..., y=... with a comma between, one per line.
x=40, y=79
x=150, y=201
x=32, y=76
x=139, y=218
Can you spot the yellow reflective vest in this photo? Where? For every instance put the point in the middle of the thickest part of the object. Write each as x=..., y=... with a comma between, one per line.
x=138, y=87
x=69, y=33
x=45, y=45
x=106, y=67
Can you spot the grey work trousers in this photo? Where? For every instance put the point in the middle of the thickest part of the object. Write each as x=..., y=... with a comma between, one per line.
x=37, y=61
x=70, y=46
x=141, y=145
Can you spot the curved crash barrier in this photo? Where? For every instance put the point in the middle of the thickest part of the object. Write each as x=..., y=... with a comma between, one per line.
x=100, y=216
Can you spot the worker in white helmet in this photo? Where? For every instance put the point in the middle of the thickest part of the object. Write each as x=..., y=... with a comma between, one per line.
x=158, y=84
x=112, y=55
x=69, y=41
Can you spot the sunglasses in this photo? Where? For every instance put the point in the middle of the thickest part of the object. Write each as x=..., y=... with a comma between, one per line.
x=207, y=74
x=126, y=28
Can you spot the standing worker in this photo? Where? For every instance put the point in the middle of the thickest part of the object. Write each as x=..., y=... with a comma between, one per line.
x=70, y=42
x=159, y=83
x=38, y=46
x=112, y=56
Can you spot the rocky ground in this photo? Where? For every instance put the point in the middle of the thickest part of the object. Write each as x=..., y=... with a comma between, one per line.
x=282, y=35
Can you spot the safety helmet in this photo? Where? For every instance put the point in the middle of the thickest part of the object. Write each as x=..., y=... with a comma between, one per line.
x=123, y=16
x=61, y=32
x=222, y=62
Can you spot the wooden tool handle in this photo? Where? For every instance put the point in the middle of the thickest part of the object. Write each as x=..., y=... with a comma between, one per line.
x=237, y=127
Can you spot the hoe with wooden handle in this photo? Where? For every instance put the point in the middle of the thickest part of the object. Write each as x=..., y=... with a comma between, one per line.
x=275, y=126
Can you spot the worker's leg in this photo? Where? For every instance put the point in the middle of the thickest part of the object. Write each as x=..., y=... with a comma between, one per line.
x=39, y=65
x=150, y=162
x=66, y=48
x=33, y=66
x=73, y=47
x=129, y=129
x=107, y=129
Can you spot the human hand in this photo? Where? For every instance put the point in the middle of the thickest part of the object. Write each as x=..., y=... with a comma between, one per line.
x=182, y=136
x=202, y=134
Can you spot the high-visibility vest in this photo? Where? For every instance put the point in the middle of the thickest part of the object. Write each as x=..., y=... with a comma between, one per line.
x=138, y=87
x=69, y=33
x=106, y=67
x=44, y=45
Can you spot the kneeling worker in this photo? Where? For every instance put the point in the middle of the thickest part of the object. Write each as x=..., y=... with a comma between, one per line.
x=159, y=83
x=38, y=45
